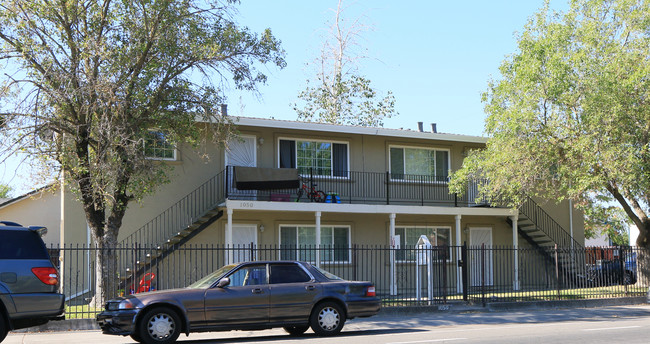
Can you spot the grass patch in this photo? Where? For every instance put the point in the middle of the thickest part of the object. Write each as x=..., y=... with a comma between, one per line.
x=534, y=295
x=81, y=312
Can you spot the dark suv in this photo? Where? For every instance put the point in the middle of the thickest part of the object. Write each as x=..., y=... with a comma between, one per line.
x=28, y=280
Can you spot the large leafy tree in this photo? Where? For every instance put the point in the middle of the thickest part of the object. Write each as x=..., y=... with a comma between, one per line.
x=5, y=191
x=569, y=117
x=86, y=80
x=340, y=94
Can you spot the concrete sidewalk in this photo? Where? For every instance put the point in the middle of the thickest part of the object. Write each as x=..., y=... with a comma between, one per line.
x=439, y=309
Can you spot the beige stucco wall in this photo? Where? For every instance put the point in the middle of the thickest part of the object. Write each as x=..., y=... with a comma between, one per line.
x=40, y=209
x=365, y=229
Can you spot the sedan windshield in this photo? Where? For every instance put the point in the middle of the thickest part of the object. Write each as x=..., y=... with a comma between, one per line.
x=208, y=280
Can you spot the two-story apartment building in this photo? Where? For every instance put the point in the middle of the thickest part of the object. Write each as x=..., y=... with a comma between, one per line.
x=383, y=187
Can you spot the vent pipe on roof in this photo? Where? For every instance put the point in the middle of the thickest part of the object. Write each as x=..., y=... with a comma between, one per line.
x=420, y=126
x=224, y=110
x=433, y=128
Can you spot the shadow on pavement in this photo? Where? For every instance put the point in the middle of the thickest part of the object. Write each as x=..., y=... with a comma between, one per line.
x=282, y=338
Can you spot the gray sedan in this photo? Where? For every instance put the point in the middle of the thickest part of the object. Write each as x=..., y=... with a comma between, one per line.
x=247, y=296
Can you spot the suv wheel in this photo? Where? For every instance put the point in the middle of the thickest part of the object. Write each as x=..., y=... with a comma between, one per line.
x=327, y=319
x=159, y=326
x=3, y=327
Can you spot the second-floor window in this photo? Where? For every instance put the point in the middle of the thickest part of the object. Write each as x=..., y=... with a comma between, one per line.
x=157, y=146
x=320, y=158
x=408, y=163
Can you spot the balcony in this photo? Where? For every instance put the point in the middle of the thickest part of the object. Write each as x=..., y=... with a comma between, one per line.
x=364, y=188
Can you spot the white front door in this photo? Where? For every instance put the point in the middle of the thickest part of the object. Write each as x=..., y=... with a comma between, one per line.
x=481, y=237
x=244, y=241
x=241, y=151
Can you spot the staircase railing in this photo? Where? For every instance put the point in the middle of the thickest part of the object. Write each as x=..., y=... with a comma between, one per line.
x=545, y=223
x=182, y=214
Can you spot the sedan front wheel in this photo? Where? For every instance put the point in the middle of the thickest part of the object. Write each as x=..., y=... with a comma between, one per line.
x=327, y=319
x=296, y=330
x=159, y=326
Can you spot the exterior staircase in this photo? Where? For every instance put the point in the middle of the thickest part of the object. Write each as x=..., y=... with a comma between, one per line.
x=174, y=227
x=543, y=233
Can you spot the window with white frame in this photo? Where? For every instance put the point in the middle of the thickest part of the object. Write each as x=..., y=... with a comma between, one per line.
x=322, y=158
x=157, y=146
x=409, y=236
x=409, y=163
x=298, y=242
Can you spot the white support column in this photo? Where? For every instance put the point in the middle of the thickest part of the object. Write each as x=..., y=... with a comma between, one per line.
x=318, y=215
x=229, y=237
x=515, y=246
x=391, y=240
x=459, y=270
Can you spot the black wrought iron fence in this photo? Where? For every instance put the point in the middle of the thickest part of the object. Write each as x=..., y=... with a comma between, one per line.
x=403, y=277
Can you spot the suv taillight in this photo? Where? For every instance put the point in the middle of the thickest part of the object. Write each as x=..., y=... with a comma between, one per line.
x=371, y=291
x=48, y=276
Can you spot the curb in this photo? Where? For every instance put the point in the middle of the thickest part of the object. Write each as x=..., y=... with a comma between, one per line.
x=459, y=307
x=463, y=307
x=63, y=325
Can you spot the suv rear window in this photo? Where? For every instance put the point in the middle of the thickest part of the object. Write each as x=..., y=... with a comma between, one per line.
x=21, y=244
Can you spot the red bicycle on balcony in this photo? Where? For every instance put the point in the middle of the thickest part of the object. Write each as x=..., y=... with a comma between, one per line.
x=311, y=193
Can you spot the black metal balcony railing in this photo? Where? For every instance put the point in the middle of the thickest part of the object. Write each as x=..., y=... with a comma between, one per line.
x=368, y=188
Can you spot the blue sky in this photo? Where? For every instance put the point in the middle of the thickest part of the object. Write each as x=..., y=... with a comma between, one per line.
x=436, y=57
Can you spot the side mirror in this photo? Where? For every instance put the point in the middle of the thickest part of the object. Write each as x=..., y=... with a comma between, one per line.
x=223, y=282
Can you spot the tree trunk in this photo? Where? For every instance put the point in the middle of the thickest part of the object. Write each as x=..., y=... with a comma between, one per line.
x=106, y=272
x=643, y=256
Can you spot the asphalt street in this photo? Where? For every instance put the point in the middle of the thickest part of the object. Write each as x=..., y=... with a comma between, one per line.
x=613, y=324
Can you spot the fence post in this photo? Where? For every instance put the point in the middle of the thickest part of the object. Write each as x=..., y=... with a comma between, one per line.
x=623, y=272
x=483, y=274
x=354, y=260
x=443, y=264
x=557, y=274
x=465, y=271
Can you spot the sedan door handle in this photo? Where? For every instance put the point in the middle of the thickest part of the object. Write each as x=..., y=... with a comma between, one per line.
x=310, y=288
x=257, y=291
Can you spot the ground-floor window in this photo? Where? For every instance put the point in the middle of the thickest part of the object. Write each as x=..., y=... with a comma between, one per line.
x=298, y=242
x=409, y=236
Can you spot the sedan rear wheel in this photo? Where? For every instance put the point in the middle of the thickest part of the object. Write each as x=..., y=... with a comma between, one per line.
x=136, y=337
x=296, y=330
x=327, y=319
x=159, y=326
